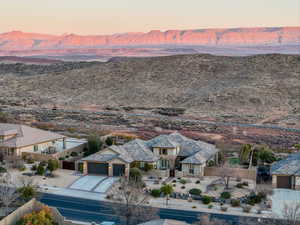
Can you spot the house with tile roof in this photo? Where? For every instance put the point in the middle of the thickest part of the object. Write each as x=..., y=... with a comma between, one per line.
x=21, y=140
x=169, y=153
x=16, y=138
x=286, y=172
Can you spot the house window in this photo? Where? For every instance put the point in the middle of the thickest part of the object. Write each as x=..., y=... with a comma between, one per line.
x=142, y=164
x=164, y=164
x=191, y=169
x=163, y=151
x=1, y=139
x=35, y=148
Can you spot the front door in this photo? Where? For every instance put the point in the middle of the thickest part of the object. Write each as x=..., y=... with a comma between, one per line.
x=118, y=169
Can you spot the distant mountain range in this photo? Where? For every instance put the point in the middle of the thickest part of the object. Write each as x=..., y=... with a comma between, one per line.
x=235, y=41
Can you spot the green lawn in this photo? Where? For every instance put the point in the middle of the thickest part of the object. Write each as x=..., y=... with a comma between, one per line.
x=234, y=161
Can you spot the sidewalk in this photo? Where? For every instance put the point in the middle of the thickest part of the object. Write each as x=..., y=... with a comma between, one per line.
x=185, y=205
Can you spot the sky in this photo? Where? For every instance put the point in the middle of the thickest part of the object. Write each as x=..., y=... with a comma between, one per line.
x=118, y=16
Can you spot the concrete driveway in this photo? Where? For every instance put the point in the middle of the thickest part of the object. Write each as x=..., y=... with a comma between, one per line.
x=87, y=183
x=99, y=184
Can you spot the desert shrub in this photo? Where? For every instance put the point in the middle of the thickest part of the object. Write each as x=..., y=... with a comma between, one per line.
x=34, y=168
x=210, y=206
x=155, y=193
x=225, y=195
x=224, y=208
x=61, y=158
x=198, y=182
x=40, y=169
x=194, y=207
x=42, y=217
x=239, y=185
x=254, y=199
x=245, y=183
x=174, y=181
x=2, y=170
x=23, y=168
x=206, y=199
x=182, y=187
x=74, y=154
x=27, y=192
x=174, y=185
x=262, y=195
x=182, y=181
x=235, y=202
x=195, y=191
x=246, y=208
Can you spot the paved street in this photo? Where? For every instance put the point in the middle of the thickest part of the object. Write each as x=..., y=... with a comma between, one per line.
x=98, y=211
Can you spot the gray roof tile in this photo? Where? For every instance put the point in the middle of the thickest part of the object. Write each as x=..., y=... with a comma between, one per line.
x=25, y=135
x=288, y=166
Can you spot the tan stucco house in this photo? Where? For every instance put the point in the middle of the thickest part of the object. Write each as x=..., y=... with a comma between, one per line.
x=171, y=154
x=286, y=172
x=16, y=138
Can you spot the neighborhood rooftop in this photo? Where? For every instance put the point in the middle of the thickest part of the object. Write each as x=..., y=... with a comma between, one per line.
x=25, y=135
x=288, y=166
x=139, y=150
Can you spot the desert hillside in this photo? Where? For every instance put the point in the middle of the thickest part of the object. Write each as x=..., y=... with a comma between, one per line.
x=263, y=85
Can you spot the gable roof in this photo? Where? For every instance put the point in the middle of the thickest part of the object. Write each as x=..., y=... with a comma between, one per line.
x=25, y=135
x=287, y=166
x=162, y=141
x=139, y=151
x=197, y=152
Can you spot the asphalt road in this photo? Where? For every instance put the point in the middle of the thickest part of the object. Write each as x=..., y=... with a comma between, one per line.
x=98, y=211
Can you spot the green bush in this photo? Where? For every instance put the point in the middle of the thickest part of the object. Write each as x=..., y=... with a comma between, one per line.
x=235, y=202
x=109, y=141
x=148, y=167
x=206, y=199
x=74, y=154
x=254, y=199
x=34, y=168
x=61, y=158
x=27, y=192
x=167, y=189
x=40, y=169
x=52, y=165
x=155, y=193
x=210, y=206
x=182, y=187
x=225, y=195
x=182, y=181
x=2, y=170
x=23, y=168
x=198, y=182
x=195, y=191
x=239, y=185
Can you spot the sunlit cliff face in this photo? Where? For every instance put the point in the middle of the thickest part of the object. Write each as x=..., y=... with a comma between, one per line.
x=17, y=40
